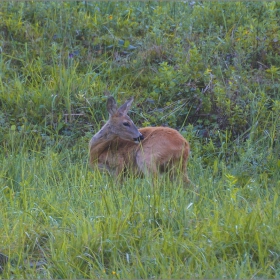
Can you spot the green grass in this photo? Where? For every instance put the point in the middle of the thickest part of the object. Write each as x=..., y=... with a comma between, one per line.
x=211, y=70
x=77, y=223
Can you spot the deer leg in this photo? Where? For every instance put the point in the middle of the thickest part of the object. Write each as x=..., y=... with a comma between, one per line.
x=177, y=169
x=184, y=169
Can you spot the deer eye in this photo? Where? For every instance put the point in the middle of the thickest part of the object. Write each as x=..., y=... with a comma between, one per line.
x=126, y=124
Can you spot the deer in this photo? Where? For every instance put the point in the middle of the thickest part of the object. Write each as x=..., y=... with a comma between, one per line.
x=119, y=146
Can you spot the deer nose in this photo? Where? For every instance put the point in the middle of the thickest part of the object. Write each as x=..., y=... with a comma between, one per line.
x=138, y=139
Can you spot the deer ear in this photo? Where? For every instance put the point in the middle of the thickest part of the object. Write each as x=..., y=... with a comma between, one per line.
x=126, y=106
x=112, y=106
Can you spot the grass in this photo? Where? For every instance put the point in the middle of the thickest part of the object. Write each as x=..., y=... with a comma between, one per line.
x=61, y=220
x=210, y=70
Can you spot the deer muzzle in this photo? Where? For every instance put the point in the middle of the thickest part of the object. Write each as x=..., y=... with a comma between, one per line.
x=138, y=139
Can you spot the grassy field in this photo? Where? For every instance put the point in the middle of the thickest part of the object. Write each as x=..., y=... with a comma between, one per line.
x=209, y=69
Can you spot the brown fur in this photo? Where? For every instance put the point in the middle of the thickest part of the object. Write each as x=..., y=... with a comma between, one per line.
x=163, y=149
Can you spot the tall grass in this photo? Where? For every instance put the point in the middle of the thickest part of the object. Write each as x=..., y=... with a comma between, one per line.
x=210, y=70
x=61, y=220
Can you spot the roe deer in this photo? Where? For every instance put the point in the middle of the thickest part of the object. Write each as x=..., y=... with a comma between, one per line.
x=119, y=145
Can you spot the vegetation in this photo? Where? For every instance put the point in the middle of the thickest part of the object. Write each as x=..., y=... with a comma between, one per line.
x=209, y=69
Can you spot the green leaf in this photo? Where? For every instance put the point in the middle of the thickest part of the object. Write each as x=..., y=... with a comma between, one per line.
x=126, y=43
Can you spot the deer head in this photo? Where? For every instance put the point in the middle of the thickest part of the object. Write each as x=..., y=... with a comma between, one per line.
x=120, y=123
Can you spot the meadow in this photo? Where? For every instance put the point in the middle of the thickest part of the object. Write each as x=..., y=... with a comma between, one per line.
x=209, y=69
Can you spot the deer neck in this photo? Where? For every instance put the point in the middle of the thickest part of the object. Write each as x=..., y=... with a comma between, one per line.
x=100, y=141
